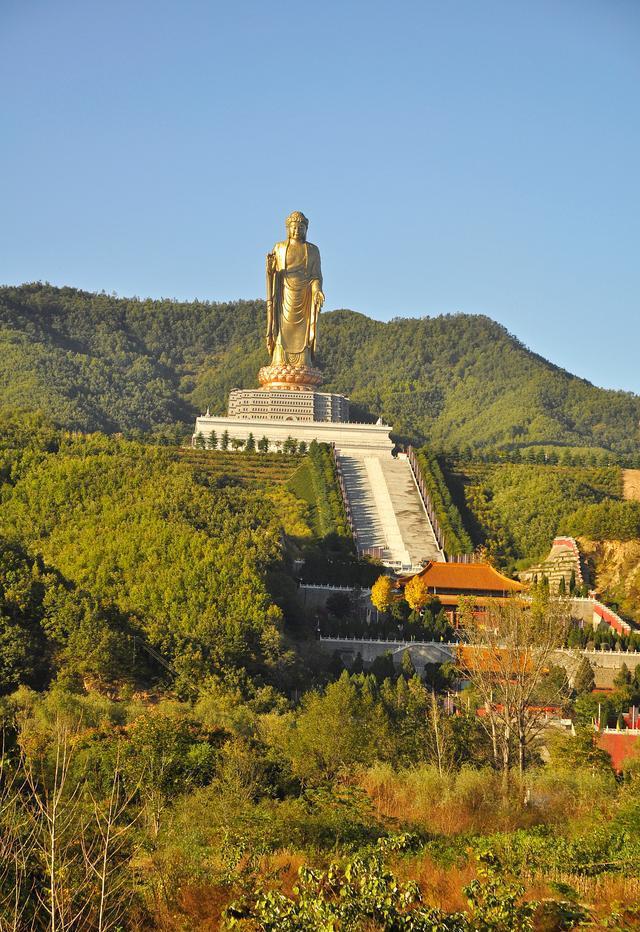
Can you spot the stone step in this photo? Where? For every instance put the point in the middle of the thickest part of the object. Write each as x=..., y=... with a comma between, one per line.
x=361, y=502
x=417, y=533
x=386, y=508
x=386, y=512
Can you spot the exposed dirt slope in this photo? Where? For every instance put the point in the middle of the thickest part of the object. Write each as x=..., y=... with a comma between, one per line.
x=631, y=484
x=615, y=565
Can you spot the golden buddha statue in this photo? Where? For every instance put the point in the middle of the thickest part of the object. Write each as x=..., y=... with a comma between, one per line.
x=294, y=300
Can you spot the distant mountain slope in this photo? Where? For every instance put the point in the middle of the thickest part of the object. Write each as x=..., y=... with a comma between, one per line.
x=93, y=361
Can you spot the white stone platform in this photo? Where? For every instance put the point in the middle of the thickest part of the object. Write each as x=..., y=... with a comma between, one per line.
x=367, y=436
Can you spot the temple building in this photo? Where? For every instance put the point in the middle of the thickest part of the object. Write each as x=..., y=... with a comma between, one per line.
x=448, y=582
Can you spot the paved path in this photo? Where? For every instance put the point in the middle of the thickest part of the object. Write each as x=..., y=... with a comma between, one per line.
x=386, y=508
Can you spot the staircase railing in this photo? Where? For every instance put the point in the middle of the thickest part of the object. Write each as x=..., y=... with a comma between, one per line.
x=343, y=492
x=426, y=499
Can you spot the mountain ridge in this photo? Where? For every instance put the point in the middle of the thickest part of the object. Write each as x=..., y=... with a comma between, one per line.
x=97, y=361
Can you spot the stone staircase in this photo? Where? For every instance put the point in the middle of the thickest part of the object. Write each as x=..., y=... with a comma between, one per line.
x=388, y=516
x=563, y=561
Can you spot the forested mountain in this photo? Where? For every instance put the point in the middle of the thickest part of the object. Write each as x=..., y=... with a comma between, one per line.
x=95, y=361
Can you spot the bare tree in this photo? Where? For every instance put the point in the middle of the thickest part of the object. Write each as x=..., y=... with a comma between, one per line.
x=58, y=822
x=106, y=851
x=440, y=743
x=69, y=845
x=16, y=849
x=507, y=655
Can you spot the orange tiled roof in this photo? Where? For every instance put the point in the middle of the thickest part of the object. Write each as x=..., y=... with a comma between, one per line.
x=466, y=577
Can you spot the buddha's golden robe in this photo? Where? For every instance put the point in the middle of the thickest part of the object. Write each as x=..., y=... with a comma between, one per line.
x=293, y=303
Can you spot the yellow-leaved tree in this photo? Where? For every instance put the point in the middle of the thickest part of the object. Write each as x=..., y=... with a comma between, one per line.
x=382, y=593
x=416, y=593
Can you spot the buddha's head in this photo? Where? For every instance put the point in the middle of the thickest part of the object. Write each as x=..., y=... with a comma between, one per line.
x=297, y=225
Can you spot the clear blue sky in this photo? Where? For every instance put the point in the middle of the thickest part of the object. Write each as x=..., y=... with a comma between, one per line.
x=476, y=156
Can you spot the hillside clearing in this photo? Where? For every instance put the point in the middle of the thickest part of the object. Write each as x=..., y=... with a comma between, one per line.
x=631, y=484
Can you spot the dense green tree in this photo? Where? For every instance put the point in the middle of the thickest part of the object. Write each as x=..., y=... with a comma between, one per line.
x=142, y=545
x=407, y=667
x=382, y=667
x=517, y=510
x=340, y=727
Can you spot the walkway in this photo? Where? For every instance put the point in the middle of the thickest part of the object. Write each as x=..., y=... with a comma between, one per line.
x=386, y=508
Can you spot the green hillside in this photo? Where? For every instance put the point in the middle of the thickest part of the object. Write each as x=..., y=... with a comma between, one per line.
x=105, y=540
x=515, y=510
x=94, y=361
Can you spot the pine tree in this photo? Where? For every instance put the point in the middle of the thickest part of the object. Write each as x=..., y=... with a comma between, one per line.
x=382, y=667
x=224, y=443
x=336, y=666
x=584, y=680
x=263, y=445
x=622, y=677
x=407, y=667
x=212, y=440
x=250, y=446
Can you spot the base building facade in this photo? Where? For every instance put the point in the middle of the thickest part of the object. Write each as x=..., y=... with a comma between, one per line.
x=286, y=405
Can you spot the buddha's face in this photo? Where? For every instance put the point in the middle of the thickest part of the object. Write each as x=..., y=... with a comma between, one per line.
x=297, y=231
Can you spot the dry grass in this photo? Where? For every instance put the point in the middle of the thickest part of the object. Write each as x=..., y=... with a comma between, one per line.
x=281, y=868
x=440, y=886
x=467, y=801
x=605, y=895
x=200, y=906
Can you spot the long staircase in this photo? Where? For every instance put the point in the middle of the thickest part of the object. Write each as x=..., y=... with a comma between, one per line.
x=387, y=513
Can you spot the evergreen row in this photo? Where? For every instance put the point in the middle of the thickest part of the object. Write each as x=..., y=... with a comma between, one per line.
x=456, y=538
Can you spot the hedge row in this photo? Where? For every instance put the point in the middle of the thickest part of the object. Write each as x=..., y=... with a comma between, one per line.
x=316, y=482
x=456, y=538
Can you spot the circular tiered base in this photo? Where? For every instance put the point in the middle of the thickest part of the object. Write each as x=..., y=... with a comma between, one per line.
x=295, y=378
